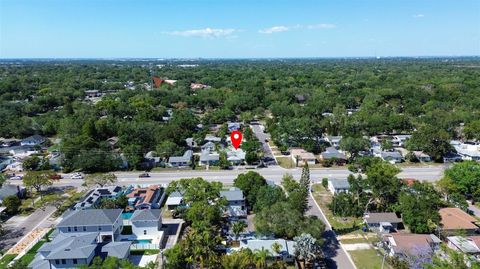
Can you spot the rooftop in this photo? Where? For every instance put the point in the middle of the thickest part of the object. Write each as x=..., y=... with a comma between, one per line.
x=90, y=217
x=411, y=243
x=233, y=194
x=456, y=219
x=340, y=183
x=464, y=244
x=146, y=215
x=145, y=195
x=382, y=217
x=94, y=195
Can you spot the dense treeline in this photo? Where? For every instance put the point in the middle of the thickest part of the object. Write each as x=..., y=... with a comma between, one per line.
x=304, y=98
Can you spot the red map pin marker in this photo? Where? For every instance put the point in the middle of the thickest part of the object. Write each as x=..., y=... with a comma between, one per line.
x=236, y=138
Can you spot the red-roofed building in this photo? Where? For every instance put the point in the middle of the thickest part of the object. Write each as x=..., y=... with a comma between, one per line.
x=157, y=82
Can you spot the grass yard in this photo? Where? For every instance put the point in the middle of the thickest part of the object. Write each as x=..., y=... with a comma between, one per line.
x=368, y=259
x=6, y=259
x=323, y=198
x=166, y=214
x=285, y=162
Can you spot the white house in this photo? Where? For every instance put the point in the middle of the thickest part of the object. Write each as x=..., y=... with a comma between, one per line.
x=338, y=185
x=33, y=140
x=106, y=222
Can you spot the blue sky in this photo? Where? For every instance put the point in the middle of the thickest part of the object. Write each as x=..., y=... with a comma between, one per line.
x=238, y=29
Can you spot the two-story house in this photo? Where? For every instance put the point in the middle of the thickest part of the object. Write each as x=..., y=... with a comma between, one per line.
x=107, y=223
x=235, y=202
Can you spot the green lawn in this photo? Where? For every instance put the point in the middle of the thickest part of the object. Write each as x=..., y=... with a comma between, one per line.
x=323, y=198
x=368, y=259
x=6, y=260
x=285, y=162
x=28, y=258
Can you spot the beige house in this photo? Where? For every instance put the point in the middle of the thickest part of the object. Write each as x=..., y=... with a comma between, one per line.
x=300, y=156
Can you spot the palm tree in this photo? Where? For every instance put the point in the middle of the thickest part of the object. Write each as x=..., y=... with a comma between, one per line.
x=242, y=259
x=277, y=248
x=261, y=256
x=238, y=227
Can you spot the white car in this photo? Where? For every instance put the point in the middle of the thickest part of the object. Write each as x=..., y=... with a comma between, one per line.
x=19, y=177
x=77, y=176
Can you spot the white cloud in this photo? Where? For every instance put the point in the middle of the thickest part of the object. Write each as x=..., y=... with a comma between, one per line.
x=282, y=28
x=321, y=26
x=205, y=33
x=274, y=29
x=419, y=15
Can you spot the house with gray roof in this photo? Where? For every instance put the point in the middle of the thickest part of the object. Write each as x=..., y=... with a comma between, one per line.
x=174, y=200
x=66, y=250
x=236, y=206
x=391, y=156
x=338, y=185
x=331, y=153
x=107, y=223
x=385, y=222
x=209, y=158
x=120, y=250
x=211, y=138
x=146, y=224
x=334, y=140
x=33, y=140
x=11, y=190
x=208, y=147
x=179, y=161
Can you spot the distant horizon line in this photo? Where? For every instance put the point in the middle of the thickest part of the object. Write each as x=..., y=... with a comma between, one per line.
x=235, y=58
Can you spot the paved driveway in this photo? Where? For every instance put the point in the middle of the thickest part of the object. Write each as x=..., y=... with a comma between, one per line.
x=258, y=130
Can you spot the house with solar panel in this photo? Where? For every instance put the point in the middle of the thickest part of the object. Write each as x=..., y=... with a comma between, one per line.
x=94, y=197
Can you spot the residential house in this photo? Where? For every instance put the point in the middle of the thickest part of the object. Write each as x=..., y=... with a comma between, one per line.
x=151, y=160
x=382, y=222
x=198, y=86
x=67, y=251
x=146, y=225
x=211, y=138
x=334, y=140
x=180, y=161
x=11, y=190
x=93, y=93
x=209, y=146
x=33, y=140
x=332, y=153
x=9, y=142
x=468, y=150
x=4, y=162
x=399, y=140
x=174, y=200
x=208, y=158
x=191, y=142
x=233, y=126
x=300, y=156
x=391, y=156
x=107, y=223
x=466, y=245
x=455, y=220
x=236, y=156
x=338, y=185
x=236, y=206
x=405, y=245
x=452, y=157
x=421, y=156
x=120, y=250
x=14, y=166
x=146, y=198
x=286, y=253
x=94, y=197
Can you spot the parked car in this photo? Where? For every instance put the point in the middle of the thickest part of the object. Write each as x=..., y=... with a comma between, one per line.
x=56, y=176
x=77, y=176
x=17, y=177
x=144, y=175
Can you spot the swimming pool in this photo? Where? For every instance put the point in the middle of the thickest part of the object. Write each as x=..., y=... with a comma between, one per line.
x=142, y=241
x=127, y=215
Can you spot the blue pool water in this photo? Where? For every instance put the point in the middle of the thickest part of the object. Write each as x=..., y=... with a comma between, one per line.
x=142, y=241
x=127, y=215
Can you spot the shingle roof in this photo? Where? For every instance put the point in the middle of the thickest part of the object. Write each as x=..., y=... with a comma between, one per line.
x=8, y=190
x=186, y=157
x=234, y=194
x=117, y=249
x=71, y=246
x=340, y=183
x=90, y=217
x=456, y=219
x=332, y=152
x=411, y=243
x=382, y=217
x=146, y=215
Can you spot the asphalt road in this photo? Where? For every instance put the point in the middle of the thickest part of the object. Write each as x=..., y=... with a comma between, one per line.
x=272, y=173
x=258, y=130
x=335, y=255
